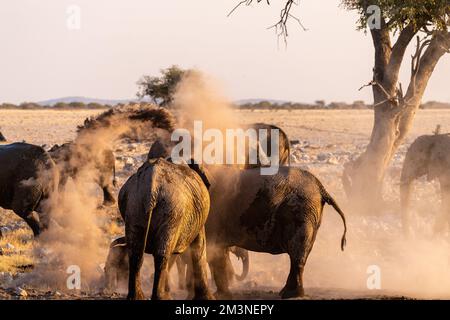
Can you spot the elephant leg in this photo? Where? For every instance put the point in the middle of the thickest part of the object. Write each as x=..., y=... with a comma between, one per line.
x=161, y=277
x=181, y=271
x=136, y=247
x=173, y=259
x=26, y=200
x=189, y=279
x=218, y=263
x=299, y=248
x=108, y=198
x=198, y=256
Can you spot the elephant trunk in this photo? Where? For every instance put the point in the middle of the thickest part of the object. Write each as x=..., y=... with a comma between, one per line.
x=242, y=254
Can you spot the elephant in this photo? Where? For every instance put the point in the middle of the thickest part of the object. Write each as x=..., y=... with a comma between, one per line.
x=72, y=157
x=428, y=155
x=165, y=207
x=28, y=176
x=275, y=214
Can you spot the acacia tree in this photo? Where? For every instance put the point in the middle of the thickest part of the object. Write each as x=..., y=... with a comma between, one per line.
x=161, y=89
x=427, y=23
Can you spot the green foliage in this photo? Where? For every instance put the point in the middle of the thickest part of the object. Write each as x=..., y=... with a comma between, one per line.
x=434, y=14
x=161, y=89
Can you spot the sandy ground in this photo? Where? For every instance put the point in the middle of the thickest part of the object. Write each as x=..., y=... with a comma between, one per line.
x=324, y=141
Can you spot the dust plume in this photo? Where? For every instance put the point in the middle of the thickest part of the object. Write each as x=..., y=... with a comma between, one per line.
x=198, y=98
x=78, y=234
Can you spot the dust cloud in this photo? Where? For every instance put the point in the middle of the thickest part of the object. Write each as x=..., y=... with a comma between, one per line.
x=198, y=98
x=78, y=234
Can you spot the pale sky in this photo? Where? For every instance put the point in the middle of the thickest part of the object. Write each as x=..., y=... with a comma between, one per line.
x=119, y=41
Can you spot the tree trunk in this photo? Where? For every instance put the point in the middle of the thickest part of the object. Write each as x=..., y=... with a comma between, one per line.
x=363, y=177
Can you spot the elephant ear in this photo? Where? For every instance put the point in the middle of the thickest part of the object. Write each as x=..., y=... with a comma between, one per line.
x=200, y=171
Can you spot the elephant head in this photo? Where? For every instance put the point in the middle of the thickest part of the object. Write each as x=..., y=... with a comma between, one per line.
x=159, y=149
x=116, y=266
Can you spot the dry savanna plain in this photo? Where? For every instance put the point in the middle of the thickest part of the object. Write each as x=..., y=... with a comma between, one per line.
x=322, y=141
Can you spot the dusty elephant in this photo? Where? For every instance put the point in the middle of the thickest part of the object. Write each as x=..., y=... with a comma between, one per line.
x=28, y=176
x=428, y=155
x=165, y=207
x=71, y=158
x=275, y=214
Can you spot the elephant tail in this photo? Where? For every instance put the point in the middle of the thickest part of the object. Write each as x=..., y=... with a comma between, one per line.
x=329, y=199
x=241, y=254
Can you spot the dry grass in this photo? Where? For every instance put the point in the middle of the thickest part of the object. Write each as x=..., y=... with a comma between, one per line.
x=18, y=258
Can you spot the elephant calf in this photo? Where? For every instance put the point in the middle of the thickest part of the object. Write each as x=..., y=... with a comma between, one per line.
x=165, y=207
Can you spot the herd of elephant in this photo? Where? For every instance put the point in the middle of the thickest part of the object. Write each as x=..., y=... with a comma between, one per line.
x=195, y=215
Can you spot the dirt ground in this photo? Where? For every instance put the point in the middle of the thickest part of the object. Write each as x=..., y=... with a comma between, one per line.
x=322, y=142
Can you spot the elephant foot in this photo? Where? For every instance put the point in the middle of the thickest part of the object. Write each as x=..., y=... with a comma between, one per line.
x=286, y=293
x=162, y=296
x=204, y=296
x=138, y=295
x=223, y=295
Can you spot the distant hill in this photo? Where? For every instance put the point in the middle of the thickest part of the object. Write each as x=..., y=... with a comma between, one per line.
x=112, y=102
x=84, y=100
x=74, y=103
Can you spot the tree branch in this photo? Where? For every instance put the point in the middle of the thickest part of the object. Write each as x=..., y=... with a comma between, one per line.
x=285, y=14
x=382, y=44
x=423, y=64
x=398, y=53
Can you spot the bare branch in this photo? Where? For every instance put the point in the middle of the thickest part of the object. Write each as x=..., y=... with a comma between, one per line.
x=247, y=2
x=416, y=59
x=299, y=22
x=285, y=14
x=395, y=100
x=398, y=53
